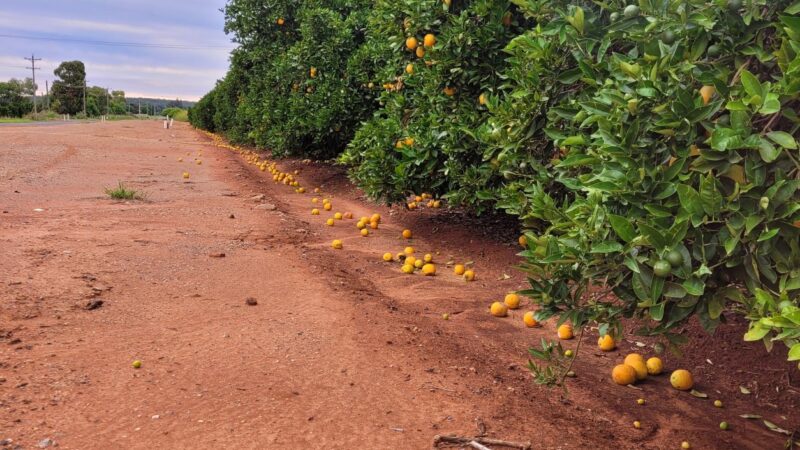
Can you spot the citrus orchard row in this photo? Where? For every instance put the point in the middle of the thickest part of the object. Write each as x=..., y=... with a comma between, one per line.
x=648, y=149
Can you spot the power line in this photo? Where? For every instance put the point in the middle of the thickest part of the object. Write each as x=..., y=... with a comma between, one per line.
x=117, y=44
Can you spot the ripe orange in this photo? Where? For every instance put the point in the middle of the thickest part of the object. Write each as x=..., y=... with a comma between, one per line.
x=407, y=268
x=681, y=380
x=427, y=258
x=185, y=175
x=449, y=91
x=407, y=234
x=410, y=69
x=408, y=250
x=565, y=331
x=530, y=319
x=365, y=232
x=631, y=357
x=280, y=21
x=347, y=215
x=327, y=206
x=411, y=260
x=606, y=343
x=499, y=309
x=409, y=142
x=429, y=270
x=706, y=92
x=420, y=52
x=469, y=275
x=437, y=203
x=459, y=269
x=512, y=301
x=337, y=216
x=373, y=225
x=640, y=368
x=315, y=212
x=623, y=374
x=654, y=366
x=411, y=43
x=375, y=218
x=360, y=225
x=418, y=263
x=482, y=99
x=337, y=244
x=313, y=72
x=429, y=40
x=387, y=257
x=329, y=222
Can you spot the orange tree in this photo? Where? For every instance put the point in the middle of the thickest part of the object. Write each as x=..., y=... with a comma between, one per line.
x=289, y=88
x=437, y=63
x=650, y=151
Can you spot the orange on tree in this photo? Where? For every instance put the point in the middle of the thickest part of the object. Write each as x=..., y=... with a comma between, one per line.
x=420, y=52
x=482, y=99
x=623, y=374
x=499, y=309
x=707, y=92
x=411, y=43
x=565, y=331
x=459, y=269
x=281, y=21
x=429, y=40
x=681, y=380
x=410, y=69
x=449, y=91
x=512, y=301
x=530, y=319
x=606, y=343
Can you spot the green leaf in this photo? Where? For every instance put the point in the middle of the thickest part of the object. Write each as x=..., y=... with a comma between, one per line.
x=690, y=200
x=607, y=247
x=751, y=84
x=756, y=333
x=710, y=197
x=783, y=139
x=655, y=237
x=623, y=227
x=794, y=352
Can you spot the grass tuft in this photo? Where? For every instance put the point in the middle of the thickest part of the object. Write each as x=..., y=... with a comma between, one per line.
x=122, y=193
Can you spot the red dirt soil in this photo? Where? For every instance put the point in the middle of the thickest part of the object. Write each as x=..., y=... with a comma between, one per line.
x=341, y=351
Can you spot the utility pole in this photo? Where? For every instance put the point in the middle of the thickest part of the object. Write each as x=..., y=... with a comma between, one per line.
x=108, y=99
x=47, y=92
x=33, y=68
x=84, y=99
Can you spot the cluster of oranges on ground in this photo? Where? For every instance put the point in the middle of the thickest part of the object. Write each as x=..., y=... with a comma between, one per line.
x=427, y=200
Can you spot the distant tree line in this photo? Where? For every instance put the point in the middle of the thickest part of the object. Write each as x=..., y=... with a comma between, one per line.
x=69, y=94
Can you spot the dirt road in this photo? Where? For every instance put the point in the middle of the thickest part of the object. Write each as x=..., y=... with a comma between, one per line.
x=341, y=350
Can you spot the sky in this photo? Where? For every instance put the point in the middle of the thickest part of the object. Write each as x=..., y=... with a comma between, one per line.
x=195, y=56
